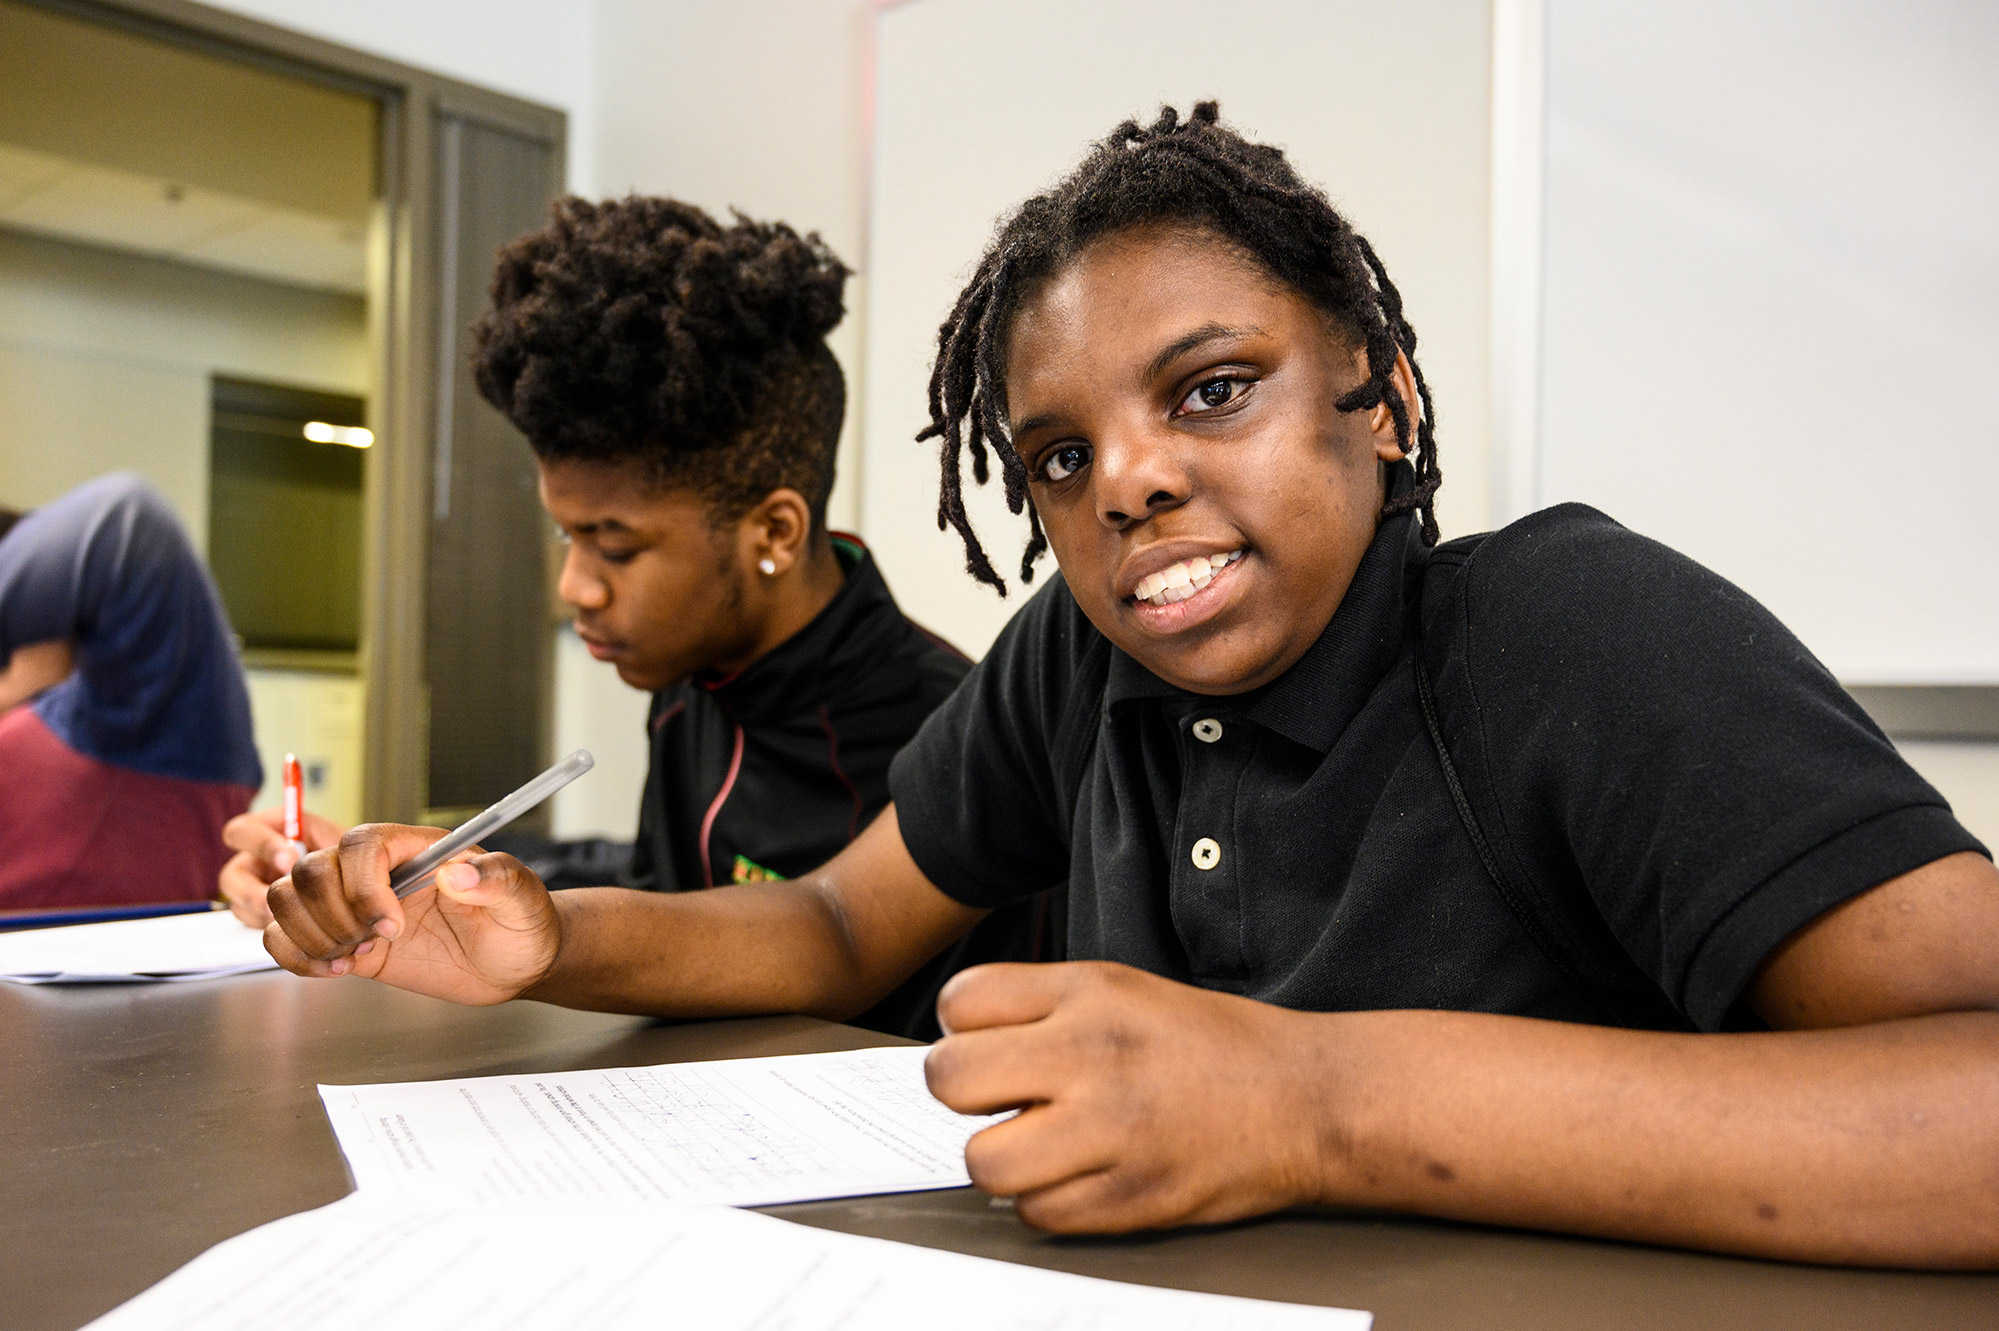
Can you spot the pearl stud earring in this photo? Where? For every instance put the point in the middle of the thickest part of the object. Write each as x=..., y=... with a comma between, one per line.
x=767, y=567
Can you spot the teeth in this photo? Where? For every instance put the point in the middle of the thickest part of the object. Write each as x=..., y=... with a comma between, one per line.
x=1183, y=579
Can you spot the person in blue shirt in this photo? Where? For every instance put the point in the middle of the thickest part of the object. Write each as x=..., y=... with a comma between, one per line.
x=125, y=735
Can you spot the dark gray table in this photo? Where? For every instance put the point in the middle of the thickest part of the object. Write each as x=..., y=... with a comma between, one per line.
x=140, y=1125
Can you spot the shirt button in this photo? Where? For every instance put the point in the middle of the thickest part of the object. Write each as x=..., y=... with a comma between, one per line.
x=1207, y=853
x=1207, y=730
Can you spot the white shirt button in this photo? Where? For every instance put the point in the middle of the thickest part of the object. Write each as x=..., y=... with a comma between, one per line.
x=1207, y=853
x=1207, y=730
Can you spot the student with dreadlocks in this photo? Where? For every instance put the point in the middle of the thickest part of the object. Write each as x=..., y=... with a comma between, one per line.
x=673, y=378
x=1538, y=879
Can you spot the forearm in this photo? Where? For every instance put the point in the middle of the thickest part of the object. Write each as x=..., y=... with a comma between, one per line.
x=1874, y=1144
x=748, y=949
x=33, y=668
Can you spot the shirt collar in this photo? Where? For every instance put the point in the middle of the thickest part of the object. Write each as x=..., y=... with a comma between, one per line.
x=1313, y=701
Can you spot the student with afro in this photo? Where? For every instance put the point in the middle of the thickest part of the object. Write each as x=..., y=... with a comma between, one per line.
x=1539, y=878
x=672, y=376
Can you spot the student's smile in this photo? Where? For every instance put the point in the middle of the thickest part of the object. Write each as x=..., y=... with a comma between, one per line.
x=1176, y=585
x=1174, y=406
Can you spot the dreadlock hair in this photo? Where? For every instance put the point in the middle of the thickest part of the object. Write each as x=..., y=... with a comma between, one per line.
x=643, y=331
x=1198, y=173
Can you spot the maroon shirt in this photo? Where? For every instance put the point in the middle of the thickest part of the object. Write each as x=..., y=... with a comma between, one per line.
x=81, y=832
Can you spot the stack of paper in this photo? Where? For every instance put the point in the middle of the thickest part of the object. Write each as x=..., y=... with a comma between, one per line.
x=583, y=1200
x=169, y=947
x=362, y=1263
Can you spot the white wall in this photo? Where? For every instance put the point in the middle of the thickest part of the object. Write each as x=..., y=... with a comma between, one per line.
x=1770, y=284
x=980, y=103
x=761, y=108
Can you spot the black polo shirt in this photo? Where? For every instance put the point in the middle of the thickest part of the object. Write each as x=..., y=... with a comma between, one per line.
x=1654, y=758
x=773, y=771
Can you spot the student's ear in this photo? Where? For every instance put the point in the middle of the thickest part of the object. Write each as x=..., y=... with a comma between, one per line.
x=1381, y=421
x=772, y=536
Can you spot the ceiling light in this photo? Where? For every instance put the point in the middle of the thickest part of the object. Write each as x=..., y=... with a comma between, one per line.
x=351, y=435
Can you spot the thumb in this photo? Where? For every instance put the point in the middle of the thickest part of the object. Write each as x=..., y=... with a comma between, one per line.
x=500, y=884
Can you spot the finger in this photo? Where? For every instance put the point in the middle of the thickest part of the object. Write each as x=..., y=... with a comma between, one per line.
x=287, y=954
x=991, y=1071
x=366, y=854
x=241, y=877
x=304, y=938
x=254, y=910
x=507, y=889
x=319, y=883
x=245, y=892
x=260, y=836
x=1037, y=1149
x=1002, y=994
x=1108, y=1201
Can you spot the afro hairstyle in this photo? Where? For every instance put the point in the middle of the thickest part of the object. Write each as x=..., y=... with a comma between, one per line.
x=642, y=331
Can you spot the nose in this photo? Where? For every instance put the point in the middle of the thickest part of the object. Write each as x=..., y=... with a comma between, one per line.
x=578, y=586
x=1137, y=477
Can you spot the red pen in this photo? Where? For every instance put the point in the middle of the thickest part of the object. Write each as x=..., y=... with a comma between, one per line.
x=294, y=804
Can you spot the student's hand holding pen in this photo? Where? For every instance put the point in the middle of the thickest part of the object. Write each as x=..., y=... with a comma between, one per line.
x=485, y=932
x=263, y=856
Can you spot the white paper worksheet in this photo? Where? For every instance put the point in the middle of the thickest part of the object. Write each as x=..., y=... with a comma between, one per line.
x=738, y=1132
x=168, y=947
x=362, y=1263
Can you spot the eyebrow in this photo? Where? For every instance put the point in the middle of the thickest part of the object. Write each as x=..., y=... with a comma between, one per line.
x=602, y=526
x=1199, y=337
x=1180, y=346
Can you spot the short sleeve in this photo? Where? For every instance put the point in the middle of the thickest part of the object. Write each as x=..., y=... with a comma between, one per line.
x=1655, y=733
x=976, y=791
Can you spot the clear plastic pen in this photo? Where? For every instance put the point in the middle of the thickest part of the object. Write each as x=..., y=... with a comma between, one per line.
x=418, y=872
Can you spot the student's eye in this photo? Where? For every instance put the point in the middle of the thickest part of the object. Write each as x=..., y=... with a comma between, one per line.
x=1062, y=463
x=616, y=556
x=1211, y=394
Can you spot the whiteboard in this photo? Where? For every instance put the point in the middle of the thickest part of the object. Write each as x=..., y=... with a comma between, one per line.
x=980, y=103
x=1770, y=308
